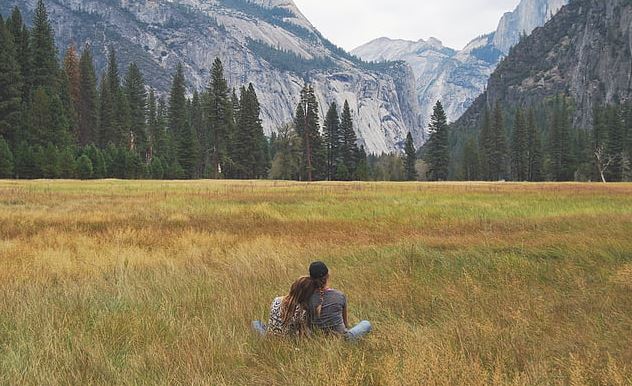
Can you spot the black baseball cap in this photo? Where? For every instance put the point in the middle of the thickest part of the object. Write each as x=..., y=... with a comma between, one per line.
x=318, y=270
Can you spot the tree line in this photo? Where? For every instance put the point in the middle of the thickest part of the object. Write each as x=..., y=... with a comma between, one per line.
x=57, y=121
x=540, y=143
x=304, y=152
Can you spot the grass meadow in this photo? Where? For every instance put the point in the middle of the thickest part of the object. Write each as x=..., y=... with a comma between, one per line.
x=115, y=282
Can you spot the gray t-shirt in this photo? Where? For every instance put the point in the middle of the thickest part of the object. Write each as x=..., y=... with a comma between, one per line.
x=330, y=319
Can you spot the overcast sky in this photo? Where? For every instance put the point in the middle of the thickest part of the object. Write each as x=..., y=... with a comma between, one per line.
x=350, y=23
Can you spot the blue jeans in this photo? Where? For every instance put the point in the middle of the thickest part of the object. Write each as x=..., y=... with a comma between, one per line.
x=259, y=327
x=359, y=331
x=354, y=334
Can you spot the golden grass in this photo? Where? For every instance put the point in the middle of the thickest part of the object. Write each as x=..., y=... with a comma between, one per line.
x=156, y=282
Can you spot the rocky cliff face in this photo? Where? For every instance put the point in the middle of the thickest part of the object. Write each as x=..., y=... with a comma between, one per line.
x=266, y=42
x=584, y=52
x=456, y=78
x=528, y=16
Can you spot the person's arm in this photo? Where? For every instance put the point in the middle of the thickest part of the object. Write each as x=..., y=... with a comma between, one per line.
x=345, y=316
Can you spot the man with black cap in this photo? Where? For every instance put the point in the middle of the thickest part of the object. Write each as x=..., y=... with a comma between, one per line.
x=328, y=307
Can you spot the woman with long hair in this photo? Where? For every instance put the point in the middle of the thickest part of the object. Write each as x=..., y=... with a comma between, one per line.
x=327, y=307
x=288, y=314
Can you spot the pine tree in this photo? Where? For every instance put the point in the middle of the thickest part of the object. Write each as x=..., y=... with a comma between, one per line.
x=300, y=125
x=6, y=160
x=97, y=159
x=10, y=87
x=520, y=148
x=87, y=107
x=136, y=97
x=99, y=164
x=21, y=40
x=135, y=168
x=562, y=168
x=497, y=146
x=44, y=66
x=156, y=170
x=188, y=148
x=438, y=153
x=119, y=126
x=262, y=150
x=244, y=142
x=84, y=167
x=23, y=160
x=534, y=145
x=112, y=72
x=286, y=164
x=39, y=113
x=163, y=139
x=73, y=73
x=67, y=164
x=25, y=58
x=197, y=125
x=114, y=117
x=332, y=137
x=234, y=99
x=220, y=120
x=106, y=114
x=251, y=158
x=180, y=126
x=50, y=162
x=38, y=159
x=484, y=145
x=411, y=158
x=569, y=161
x=584, y=156
x=362, y=171
x=471, y=161
x=234, y=136
x=152, y=124
x=68, y=114
x=600, y=129
x=273, y=144
x=350, y=151
x=307, y=127
x=58, y=132
x=14, y=25
x=342, y=173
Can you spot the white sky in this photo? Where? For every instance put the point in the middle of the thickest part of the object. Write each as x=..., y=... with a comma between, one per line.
x=351, y=23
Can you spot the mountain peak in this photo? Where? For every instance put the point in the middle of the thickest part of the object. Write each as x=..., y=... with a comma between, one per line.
x=272, y=3
x=527, y=16
x=287, y=4
x=435, y=42
x=458, y=77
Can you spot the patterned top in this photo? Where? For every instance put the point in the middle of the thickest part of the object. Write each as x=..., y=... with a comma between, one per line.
x=275, y=324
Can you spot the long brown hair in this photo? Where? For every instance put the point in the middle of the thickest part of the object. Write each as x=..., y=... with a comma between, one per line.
x=297, y=300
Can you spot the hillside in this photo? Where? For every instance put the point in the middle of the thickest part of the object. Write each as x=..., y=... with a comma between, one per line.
x=584, y=52
x=458, y=77
x=266, y=42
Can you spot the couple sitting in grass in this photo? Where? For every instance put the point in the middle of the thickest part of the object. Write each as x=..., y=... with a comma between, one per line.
x=311, y=306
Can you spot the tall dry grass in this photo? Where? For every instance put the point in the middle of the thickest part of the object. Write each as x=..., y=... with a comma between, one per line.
x=156, y=282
